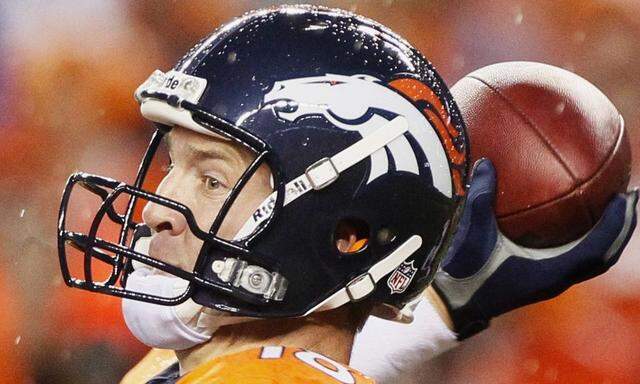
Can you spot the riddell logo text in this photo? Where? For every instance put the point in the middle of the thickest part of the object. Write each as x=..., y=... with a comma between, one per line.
x=265, y=209
x=294, y=189
x=171, y=83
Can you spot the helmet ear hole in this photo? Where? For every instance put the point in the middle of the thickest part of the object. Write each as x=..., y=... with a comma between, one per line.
x=351, y=235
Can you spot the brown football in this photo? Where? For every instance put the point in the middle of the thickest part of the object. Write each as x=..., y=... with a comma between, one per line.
x=558, y=144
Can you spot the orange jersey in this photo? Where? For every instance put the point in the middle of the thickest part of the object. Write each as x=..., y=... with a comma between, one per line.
x=274, y=365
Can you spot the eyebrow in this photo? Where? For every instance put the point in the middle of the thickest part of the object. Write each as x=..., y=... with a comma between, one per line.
x=199, y=153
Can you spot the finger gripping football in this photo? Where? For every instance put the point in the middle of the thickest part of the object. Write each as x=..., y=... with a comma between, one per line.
x=558, y=144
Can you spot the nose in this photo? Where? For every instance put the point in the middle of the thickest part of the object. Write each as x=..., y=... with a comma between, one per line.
x=160, y=218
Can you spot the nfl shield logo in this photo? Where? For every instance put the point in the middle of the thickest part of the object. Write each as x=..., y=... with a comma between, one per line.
x=401, y=277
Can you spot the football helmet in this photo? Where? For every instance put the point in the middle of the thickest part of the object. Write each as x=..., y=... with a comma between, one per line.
x=354, y=124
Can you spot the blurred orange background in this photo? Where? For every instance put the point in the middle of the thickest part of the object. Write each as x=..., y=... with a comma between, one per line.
x=68, y=70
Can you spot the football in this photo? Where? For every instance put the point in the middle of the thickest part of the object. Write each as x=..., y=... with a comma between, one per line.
x=558, y=145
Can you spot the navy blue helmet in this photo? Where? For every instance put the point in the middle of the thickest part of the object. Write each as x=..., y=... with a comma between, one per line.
x=356, y=127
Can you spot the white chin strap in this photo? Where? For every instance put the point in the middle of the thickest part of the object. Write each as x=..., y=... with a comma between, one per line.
x=363, y=285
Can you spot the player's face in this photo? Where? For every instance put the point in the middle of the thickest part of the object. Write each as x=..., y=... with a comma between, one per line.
x=203, y=171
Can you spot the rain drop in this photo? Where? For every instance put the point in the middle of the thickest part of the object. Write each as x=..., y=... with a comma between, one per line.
x=518, y=17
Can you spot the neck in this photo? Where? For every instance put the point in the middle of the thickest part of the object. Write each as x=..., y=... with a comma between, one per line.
x=330, y=333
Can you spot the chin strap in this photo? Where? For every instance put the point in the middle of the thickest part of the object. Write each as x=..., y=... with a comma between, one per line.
x=325, y=171
x=363, y=285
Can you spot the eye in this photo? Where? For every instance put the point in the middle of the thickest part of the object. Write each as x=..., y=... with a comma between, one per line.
x=211, y=183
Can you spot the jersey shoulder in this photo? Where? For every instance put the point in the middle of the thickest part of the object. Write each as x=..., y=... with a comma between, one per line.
x=274, y=364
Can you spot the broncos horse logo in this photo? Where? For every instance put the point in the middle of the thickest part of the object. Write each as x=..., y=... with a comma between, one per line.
x=360, y=103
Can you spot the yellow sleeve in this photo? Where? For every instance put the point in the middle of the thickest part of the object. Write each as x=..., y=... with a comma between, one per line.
x=156, y=361
x=271, y=365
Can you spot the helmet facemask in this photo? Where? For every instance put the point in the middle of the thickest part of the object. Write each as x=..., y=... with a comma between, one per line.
x=109, y=251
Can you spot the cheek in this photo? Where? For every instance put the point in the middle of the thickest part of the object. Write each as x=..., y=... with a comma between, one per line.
x=193, y=245
x=205, y=212
x=235, y=219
